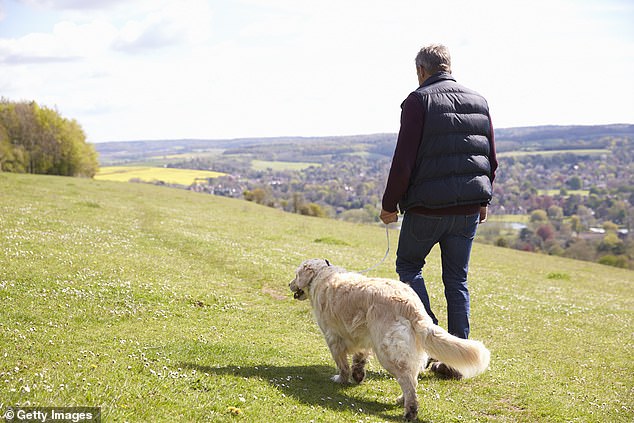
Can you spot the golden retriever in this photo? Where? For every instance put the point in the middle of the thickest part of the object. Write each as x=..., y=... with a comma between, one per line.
x=358, y=315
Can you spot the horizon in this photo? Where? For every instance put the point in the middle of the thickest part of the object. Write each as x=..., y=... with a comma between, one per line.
x=345, y=135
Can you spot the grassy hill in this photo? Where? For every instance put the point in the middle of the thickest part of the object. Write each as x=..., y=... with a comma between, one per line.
x=158, y=304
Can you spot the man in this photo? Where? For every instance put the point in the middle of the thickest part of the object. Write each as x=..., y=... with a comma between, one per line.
x=441, y=179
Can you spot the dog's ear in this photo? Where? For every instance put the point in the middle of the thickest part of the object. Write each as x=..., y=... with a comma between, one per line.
x=307, y=272
x=305, y=275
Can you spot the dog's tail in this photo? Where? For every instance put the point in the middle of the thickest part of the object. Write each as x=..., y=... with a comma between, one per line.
x=469, y=357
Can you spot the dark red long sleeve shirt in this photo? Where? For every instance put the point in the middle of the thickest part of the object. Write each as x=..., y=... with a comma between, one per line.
x=404, y=161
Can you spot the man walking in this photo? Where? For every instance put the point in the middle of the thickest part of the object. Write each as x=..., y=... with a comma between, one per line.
x=441, y=179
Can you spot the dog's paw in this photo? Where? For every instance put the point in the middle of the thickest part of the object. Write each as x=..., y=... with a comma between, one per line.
x=411, y=413
x=339, y=379
x=358, y=375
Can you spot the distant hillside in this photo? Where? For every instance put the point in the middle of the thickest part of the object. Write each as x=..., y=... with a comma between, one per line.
x=533, y=133
x=560, y=137
x=508, y=139
x=138, y=151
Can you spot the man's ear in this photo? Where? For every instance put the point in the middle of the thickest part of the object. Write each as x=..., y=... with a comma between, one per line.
x=422, y=74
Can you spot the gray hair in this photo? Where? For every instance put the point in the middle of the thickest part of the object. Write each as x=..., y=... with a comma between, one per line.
x=434, y=58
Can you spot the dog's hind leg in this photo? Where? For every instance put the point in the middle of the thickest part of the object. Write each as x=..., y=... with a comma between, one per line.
x=406, y=374
x=396, y=350
x=340, y=355
x=359, y=360
x=408, y=384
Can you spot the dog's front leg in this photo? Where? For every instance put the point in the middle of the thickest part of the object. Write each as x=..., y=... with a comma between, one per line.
x=359, y=360
x=340, y=355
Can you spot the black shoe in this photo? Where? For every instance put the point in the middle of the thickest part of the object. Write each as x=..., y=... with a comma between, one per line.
x=444, y=371
x=430, y=361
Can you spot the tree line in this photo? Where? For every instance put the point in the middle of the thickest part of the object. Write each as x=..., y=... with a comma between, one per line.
x=37, y=139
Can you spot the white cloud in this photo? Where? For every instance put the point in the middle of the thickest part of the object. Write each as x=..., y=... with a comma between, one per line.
x=67, y=42
x=175, y=69
x=175, y=23
x=72, y=4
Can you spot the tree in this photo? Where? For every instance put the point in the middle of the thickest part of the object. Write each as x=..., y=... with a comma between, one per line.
x=574, y=183
x=580, y=249
x=610, y=226
x=11, y=158
x=539, y=216
x=611, y=244
x=555, y=213
x=298, y=202
x=618, y=212
x=37, y=139
x=257, y=195
x=312, y=209
x=575, y=223
x=616, y=261
x=546, y=232
x=556, y=216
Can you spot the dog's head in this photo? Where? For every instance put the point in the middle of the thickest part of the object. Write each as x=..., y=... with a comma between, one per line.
x=304, y=275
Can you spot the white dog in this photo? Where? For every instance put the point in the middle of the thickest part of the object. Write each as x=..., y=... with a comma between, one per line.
x=358, y=314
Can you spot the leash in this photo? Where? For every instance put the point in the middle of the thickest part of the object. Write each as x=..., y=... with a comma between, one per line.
x=387, y=236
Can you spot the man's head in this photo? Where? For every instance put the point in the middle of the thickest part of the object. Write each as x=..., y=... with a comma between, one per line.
x=431, y=59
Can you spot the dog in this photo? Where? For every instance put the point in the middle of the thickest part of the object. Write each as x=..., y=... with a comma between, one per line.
x=358, y=315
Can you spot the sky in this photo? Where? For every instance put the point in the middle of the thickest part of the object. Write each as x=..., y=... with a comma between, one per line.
x=222, y=69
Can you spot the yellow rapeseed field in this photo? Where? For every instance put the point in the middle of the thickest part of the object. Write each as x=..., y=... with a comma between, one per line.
x=153, y=174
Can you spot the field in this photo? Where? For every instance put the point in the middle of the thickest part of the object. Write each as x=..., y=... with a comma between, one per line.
x=277, y=165
x=166, y=305
x=184, y=177
x=584, y=152
x=509, y=218
x=553, y=192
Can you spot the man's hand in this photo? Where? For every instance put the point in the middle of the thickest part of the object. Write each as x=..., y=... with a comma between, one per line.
x=388, y=217
x=483, y=214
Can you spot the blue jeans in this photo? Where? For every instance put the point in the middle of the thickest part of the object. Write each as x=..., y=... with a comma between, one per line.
x=419, y=233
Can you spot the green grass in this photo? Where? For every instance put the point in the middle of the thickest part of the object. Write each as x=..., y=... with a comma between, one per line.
x=582, y=152
x=554, y=192
x=278, y=165
x=508, y=218
x=158, y=305
x=209, y=152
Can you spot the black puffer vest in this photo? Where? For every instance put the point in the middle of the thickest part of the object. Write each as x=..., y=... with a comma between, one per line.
x=452, y=165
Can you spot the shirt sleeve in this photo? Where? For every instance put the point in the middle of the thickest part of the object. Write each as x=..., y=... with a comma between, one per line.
x=492, y=155
x=404, y=160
